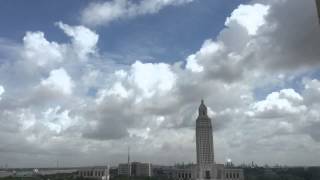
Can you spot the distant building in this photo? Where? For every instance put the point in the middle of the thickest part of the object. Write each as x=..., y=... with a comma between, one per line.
x=124, y=169
x=98, y=172
x=141, y=169
x=175, y=172
x=113, y=172
x=167, y=172
x=135, y=169
x=45, y=172
x=185, y=173
x=6, y=174
x=233, y=173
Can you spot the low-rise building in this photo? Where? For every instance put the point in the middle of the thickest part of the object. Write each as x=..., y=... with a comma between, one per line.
x=113, y=172
x=124, y=169
x=98, y=172
x=165, y=172
x=135, y=169
x=175, y=172
x=233, y=173
x=185, y=173
x=6, y=174
x=141, y=169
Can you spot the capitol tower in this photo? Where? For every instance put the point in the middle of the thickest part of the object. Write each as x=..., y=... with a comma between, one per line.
x=204, y=141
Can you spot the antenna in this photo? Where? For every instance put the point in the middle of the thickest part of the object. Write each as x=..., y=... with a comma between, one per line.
x=129, y=167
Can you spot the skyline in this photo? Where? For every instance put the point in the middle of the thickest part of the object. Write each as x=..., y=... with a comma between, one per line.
x=81, y=81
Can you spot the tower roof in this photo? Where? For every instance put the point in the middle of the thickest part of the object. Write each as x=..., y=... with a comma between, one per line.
x=202, y=109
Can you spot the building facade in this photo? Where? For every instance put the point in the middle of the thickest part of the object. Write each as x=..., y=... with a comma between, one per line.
x=135, y=169
x=141, y=169
x=175, y=172
x=99, y=172
x=124, y=169
x=204, y=142
x=206, y=168
x=233, y=174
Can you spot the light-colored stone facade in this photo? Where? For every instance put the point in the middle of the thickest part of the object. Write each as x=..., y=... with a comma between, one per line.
x=135, y=169
x=99, y=172
x=204, y=141
x=206, y=168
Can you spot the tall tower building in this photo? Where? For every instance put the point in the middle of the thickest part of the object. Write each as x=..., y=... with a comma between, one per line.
x=204, y=141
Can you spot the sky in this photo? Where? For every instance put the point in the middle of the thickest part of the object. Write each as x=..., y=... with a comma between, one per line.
x=81, y=81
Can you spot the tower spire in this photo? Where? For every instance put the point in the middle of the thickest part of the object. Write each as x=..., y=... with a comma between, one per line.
x=129, y=166
x=202, y=109
x=128, y=154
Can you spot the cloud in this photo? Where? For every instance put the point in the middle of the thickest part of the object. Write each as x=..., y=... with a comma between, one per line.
x=278, y=104
x=249, y=16
x=40, y=51
x=226, y=58
x=143, y=80
x=215, y=61
x=59, y=80
x=209, y=47
x=102, y=13
x=56, y=104
x=84, y=40
x=58, y=120
x=152, y=78
x=2, y=90
x=312, y=91
x=289, y=40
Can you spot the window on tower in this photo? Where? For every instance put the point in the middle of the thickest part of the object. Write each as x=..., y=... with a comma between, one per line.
x=207, y=174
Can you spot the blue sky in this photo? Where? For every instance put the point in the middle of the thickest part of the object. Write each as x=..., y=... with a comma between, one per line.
x=168, y=36
x=80, y=81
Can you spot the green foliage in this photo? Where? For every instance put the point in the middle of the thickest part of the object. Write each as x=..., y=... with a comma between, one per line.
x=312, y=173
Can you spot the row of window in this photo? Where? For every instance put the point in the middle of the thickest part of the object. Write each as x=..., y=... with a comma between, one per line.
x=232, y=175
x=184, y=175
x=91, y=173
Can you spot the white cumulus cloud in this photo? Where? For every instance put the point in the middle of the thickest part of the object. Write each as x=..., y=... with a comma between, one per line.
x=57, y=119
x=59, y=80
x=84, y=40
x=38, y=50
x=249, y=16
x=152, y=78
x=279, y=104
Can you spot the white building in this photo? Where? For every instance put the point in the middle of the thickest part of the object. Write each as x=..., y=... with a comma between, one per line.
x=175, y=172
x=98, y=172
x=186, y=173
x=206, y=166
x=135, y=169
